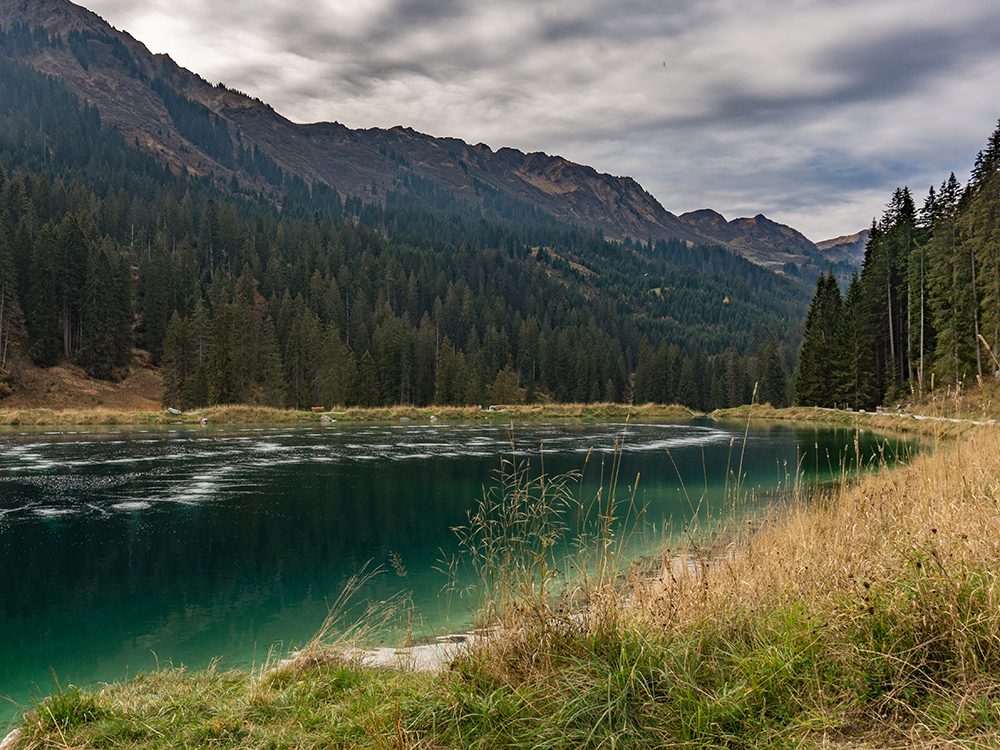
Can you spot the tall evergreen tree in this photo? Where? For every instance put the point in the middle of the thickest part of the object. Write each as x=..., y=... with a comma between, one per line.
x=42, y=302
x=100, y=346
x=301, y=357
x=11, y=321
x=772, y=380
x=270, y=369
x=951, y=294
x=176, y=366
x=814, y=384
x=981, y=220
x=853, y=371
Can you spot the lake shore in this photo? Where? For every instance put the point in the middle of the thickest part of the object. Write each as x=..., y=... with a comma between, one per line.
x=248, y=414
x=864, y=617
x=929, y=424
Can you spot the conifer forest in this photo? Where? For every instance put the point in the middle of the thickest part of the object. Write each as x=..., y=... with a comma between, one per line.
x=924, y=311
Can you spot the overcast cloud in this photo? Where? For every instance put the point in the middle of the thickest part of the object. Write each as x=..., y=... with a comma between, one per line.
x=809, y=111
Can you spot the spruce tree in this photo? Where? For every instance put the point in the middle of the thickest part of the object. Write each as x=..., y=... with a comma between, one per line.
x=200, y=332
x=819, y=355
x=11, y=320
x=97, y=352
x=981, y=221
x=42, y=301
x=854, y=384
x=644, y=389
x=951, y=296
x=772, y=381
x=270, y=369
x=301, y=357
x=223, y=380
x=368, y=381
x=176, y=364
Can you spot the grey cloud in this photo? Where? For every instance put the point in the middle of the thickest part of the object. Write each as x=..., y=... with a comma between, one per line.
x=424, y=12
x=898, y=62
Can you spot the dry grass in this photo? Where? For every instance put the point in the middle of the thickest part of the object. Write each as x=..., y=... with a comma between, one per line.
x=869, y=614
x=936, y=423
x=935, y=518
x=46, y=417
x=251, y=414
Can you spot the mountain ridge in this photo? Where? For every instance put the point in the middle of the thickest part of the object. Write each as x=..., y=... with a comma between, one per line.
x=375, y=164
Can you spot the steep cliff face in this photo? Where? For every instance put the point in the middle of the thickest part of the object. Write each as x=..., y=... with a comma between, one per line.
x=130, y=87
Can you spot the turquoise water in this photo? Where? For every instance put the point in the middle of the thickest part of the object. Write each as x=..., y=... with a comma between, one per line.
x=121, y=549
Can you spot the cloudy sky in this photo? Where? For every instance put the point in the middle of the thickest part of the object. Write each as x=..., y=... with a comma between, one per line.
x=809, y=111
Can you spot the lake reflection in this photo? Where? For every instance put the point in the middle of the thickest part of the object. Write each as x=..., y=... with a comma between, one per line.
x=123, y=548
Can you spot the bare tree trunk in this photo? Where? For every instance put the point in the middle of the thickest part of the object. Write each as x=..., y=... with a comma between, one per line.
x=975, y=316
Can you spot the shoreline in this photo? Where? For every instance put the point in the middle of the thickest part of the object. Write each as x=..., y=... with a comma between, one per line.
x=910, y=422
x=246, y=414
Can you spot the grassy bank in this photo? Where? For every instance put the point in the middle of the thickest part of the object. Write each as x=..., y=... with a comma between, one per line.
x=868, y=616
x=248, y=414
x=934, y=422
x=240, y=414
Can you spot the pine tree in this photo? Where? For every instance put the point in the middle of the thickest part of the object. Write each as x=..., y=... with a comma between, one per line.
x=886, y=292
x=951, y=293
x=270, y=369
x=97, y=352
x=11, y=321
x=42, y=301
x=644, y=389
x=154, y=294
x=853, y=371
x=177, y=364
x=504, y=388
x=814, y=384
x=772, y=381
x=301, y=357
x=981, y=221
x=368, y=381
x=73, y=249
x=448, y=376
x=223, y=379
x=196, y=391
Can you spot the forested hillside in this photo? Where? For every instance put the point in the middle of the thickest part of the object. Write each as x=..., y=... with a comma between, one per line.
x=925, y=308
x=287, y=293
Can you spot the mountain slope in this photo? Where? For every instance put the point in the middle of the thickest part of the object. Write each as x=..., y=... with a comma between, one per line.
x=849, y=248
x=154, y=101
x=759, y=239
x=246, y=285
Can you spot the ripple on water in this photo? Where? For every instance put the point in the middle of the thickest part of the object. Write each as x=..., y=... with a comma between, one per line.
x=54, y=512
x=132, y=505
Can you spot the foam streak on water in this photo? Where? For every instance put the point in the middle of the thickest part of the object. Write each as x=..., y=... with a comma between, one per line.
x=85, y=473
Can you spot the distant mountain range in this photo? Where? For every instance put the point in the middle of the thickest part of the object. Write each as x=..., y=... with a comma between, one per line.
x=195, y=126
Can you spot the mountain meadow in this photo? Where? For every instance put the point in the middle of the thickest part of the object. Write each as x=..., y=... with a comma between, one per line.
x=184, y=240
